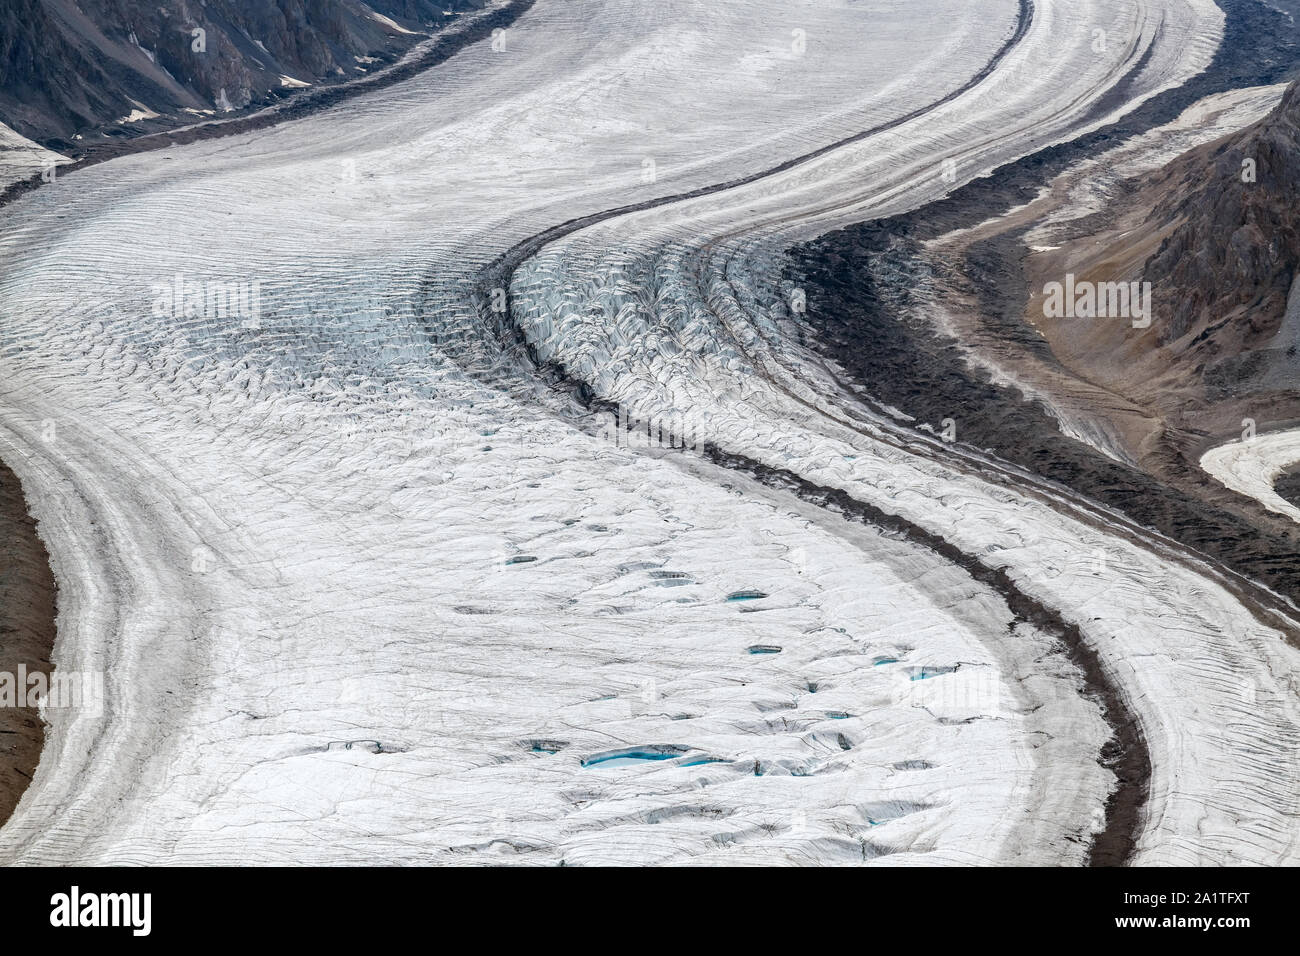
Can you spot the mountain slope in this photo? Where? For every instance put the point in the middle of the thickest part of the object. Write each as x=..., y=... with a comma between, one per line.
x=1223, y=274
x=120, y=67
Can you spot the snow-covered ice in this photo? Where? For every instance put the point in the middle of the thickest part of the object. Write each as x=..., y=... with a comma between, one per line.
x=20, y=158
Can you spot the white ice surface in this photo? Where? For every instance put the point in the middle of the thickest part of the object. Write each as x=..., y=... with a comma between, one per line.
x=1252, y=466
x=20, y=158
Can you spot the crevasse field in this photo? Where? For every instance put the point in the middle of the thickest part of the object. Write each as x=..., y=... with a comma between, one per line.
x=368, y=584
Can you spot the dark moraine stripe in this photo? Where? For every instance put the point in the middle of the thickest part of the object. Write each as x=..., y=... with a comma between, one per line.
x=1126, y=753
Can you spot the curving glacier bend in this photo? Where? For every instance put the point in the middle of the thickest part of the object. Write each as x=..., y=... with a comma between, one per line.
x=367, y=584
x=1253, y=464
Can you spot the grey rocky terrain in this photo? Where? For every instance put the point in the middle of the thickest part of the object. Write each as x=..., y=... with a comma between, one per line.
x=77, y=72
x=1225, y=270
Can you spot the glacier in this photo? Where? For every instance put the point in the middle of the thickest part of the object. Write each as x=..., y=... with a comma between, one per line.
x=369, y=584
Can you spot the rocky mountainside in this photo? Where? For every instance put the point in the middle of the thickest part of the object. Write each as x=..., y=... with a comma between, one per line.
x=27, y=599
x=1223, y=274
x=73, y=71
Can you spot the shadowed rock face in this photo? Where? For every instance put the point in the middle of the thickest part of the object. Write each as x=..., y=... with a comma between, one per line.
x=1223, y=274
x=70, y=68
x=1288, y=486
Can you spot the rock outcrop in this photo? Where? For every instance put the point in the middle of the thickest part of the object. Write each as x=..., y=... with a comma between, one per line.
x=1223, y=274
x=71, y=71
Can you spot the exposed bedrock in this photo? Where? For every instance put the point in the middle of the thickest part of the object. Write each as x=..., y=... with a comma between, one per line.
x=1224, y=270
x=118, y=68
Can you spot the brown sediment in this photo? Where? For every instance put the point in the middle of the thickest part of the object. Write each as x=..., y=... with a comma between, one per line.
x=27, y=607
